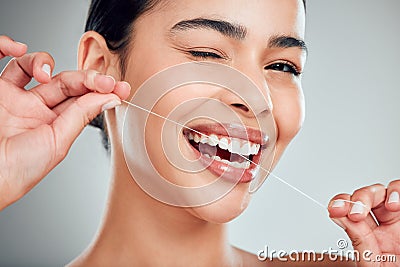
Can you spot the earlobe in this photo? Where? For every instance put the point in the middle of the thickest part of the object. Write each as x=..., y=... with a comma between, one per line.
x=94, y=54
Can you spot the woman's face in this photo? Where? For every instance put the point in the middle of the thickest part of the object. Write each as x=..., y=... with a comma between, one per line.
x=266, y=46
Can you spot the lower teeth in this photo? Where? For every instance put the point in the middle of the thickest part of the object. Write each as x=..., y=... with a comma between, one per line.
x=243, y=165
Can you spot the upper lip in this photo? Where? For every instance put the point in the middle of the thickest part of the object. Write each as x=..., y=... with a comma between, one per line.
x=232, y=131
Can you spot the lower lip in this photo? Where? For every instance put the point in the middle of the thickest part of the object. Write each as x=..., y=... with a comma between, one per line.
x=225, y=171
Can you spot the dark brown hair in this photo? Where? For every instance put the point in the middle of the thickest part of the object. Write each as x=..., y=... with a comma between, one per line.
x=114, y=20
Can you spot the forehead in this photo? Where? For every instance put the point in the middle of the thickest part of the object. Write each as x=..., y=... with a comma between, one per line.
x=260, y=17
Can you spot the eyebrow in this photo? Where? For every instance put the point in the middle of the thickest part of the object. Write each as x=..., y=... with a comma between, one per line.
x=237, y=31
x=284, y=41
x=226, y=28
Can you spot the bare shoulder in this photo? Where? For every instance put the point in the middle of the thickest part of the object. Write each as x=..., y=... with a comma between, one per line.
x=250, y=259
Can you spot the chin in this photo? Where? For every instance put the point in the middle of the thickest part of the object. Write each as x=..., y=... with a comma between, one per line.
x=226, y=209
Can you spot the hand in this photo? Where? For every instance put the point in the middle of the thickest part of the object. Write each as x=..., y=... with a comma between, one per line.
x=38, y=126
x=383, y=240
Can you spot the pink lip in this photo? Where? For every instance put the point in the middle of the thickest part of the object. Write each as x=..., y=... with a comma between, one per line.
x=225, y=171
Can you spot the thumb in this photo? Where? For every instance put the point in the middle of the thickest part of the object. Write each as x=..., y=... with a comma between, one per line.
x=76, y=116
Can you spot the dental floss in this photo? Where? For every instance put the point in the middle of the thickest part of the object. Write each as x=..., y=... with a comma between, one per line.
x=270, y=173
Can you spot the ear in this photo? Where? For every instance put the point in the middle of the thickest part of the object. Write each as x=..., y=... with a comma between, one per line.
x=94, y=54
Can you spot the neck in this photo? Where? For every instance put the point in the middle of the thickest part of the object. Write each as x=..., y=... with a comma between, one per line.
x=139, y=230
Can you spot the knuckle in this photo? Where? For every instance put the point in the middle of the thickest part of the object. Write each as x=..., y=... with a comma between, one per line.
x=378, y=186
x=361, y=192
x=394, y=183
x=43, y=56
x=4, y=38
x=61, y=83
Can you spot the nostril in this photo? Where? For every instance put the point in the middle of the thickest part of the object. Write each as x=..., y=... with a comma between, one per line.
x=241, y=106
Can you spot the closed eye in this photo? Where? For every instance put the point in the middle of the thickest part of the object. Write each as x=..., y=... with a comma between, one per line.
x=283, y=67
x=205, y=55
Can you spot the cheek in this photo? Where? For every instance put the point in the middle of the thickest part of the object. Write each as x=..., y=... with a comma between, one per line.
x=157, y=57
x=288, y=113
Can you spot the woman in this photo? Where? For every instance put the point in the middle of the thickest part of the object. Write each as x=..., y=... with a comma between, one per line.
x=38, y=130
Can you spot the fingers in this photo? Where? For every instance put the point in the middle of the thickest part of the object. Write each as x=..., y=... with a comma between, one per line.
x=77, y=83
x=363, y=199
x=366, y=198
x=355, y=218
x=20, y=70
x=392, y=199
x=79, y=97
x=385, y=203
x=356, y=208
x=9, y=47
x=74, y=118
x=389, y=212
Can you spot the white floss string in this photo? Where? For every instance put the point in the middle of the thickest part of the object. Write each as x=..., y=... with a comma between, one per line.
x=270, y=173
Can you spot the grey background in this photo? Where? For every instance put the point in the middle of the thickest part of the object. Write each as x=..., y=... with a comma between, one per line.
x=351, y=136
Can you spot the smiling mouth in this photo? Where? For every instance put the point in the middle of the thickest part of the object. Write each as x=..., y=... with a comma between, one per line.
x=228, y=150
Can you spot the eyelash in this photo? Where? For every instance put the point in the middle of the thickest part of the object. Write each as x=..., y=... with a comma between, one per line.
x=283, y=66
x=205, y=55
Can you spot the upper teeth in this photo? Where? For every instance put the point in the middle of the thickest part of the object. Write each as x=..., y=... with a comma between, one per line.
x=233, y=145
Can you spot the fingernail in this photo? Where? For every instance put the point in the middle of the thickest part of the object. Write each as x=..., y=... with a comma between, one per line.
x=128, y=84
x=110, y=77
x=110, y=105
x=358, y=208
x=21, y=43
x=47, y=69
x=394, y=197
x=105, y=78
x=338, y=203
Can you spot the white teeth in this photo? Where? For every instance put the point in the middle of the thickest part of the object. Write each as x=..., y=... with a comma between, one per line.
x=203, y=139
x=196, y=138
x=233, y=145
x=247, y=164
x=223, y=143
x=245, y=149
x=213, y=140
x=216, y=158
x=244, y=165
x=254, y=149
x=225, y=161
x=236, y=164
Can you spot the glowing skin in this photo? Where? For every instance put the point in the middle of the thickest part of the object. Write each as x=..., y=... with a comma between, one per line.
x=250, y=56
x=154, y=48
x=137, y=229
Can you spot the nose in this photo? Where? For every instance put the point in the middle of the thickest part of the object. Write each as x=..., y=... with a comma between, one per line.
x=253, y=100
